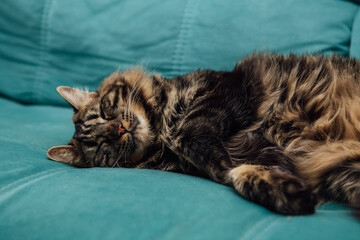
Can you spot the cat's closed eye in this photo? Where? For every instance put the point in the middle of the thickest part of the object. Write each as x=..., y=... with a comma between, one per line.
x=107, y=108
x=92, y=116
x=107, y=113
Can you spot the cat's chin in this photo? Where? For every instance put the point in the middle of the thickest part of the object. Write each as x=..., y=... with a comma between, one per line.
x=136, y=152
x=138, y=141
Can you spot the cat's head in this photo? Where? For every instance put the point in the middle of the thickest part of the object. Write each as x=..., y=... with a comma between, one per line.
x=112, y=126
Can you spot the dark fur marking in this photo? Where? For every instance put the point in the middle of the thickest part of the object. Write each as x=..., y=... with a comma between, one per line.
x=91, y=117
x=116, y=99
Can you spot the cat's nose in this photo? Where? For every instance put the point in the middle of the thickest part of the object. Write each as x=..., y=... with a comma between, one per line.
x=120, y=130
x=116, y=128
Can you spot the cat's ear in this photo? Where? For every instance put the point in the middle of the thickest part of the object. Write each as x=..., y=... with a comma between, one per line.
x=65, y=154
x=76, y=97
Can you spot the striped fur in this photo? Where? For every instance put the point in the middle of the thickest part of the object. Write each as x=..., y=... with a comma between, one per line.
x=284, y=131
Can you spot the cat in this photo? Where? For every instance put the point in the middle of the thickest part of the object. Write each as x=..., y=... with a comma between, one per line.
x=283, y=131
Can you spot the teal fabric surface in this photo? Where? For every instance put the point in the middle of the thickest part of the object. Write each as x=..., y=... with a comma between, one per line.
x=45, y=43
x=355, y=37
x=42, y=199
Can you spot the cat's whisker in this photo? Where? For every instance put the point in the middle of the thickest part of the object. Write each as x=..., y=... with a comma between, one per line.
x=117, y=161
x=139, y=85
x=137, y=82
x=125, y=158
x=133, y=97
x=130, y=96
x=137, y=91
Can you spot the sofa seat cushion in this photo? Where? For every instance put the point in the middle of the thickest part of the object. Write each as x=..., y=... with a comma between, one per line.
x=42, y=199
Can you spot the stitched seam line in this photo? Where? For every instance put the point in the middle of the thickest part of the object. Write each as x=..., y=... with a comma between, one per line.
x=266, y=229
x=357, y=15
x=29, y=179
x=43, y=48
x=256, y=227
x=178, y=56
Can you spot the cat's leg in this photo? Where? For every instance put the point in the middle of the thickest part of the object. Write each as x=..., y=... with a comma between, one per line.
x=332, y=168
x=274, y=188
x=204, y=151
x=263, y=174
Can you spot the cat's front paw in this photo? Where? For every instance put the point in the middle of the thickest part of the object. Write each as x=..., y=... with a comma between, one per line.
x=293, y=196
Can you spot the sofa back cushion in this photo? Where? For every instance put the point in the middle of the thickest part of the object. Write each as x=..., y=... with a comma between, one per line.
x=46, y=43
x=355, y=36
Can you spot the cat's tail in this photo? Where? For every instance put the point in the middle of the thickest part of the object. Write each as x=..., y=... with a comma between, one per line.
x=333, y=170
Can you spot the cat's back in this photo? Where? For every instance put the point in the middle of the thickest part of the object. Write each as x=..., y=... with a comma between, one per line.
x=332, y=74
x=315, y=97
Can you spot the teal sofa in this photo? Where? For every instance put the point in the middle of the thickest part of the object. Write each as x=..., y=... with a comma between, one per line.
x=46, y=43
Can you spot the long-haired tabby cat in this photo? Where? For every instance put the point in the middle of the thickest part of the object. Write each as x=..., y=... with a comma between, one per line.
x=283, y=131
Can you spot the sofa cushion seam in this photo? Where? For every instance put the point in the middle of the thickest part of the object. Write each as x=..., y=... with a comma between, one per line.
x=357, y=15
x=182, y=40
x=29, y=179
x=256, y=226
x=43, y=49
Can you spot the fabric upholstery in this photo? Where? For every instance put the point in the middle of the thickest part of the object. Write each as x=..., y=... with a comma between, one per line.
x=355, y=37
x=42, y=199
x=46, y=43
